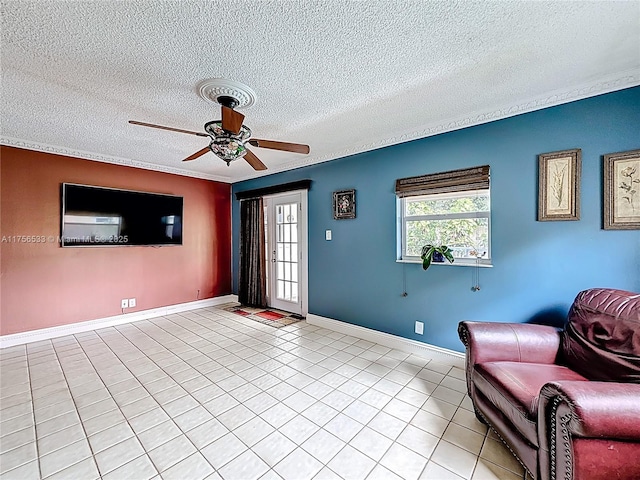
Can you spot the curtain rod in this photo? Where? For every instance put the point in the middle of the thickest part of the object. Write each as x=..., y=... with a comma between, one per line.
x=283, y=187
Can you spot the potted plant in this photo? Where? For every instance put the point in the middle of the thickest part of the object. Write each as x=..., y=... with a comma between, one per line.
x=431, y=253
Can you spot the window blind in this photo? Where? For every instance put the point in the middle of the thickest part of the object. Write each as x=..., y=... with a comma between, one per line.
x=476, y=178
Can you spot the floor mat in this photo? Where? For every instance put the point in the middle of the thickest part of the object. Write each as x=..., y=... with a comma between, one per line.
x=268, y=316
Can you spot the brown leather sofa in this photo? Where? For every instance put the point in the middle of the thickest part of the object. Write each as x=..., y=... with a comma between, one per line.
x=566, y=403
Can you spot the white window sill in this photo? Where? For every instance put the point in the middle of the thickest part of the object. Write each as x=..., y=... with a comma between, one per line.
x=457, y=263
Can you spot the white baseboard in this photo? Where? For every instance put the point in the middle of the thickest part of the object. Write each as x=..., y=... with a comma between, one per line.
x=70, y=329
x=392, y=341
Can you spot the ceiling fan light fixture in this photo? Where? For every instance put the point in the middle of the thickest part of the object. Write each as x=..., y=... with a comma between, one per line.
x=215, y=130
x=227, y=149
x=226, y=145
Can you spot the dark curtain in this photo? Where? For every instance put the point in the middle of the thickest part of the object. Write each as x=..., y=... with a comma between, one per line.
x=252, y=288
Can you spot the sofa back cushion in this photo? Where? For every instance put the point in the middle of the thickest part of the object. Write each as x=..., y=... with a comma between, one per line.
x=601, y=340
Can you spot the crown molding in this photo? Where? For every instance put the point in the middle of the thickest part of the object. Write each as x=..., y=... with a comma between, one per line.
x=621, y=81
x=608, y=84
x=97, y=157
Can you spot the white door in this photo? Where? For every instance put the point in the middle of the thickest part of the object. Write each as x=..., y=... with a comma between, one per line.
x=286, y=222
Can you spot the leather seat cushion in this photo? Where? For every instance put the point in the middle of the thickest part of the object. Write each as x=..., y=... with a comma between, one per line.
x=514, y=388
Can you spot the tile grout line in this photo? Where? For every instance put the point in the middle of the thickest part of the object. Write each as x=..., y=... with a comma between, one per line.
x=232, y=431
x=30, y=380
x=73, y=399
x=127, y=419
x=380, y=356
x=199, y=333
x=250, y=448
x=118, y=406
x=33, y=408
x=33, y=416
x=188, y=393
x=297, y=445
x=271, y=468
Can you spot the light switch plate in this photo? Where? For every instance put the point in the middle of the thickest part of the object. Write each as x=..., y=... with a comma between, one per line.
x=327, y=234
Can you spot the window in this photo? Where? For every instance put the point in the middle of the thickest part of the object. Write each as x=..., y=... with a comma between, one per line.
x=450, y=208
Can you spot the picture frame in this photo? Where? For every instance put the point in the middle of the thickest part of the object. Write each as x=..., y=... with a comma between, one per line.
x=621, y=202
x=344, y=204
x=559, y=176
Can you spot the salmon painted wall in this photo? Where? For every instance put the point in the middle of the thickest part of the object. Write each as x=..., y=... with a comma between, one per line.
x=43, y=285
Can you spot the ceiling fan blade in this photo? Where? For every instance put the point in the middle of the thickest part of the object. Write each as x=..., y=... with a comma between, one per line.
x=231, y=120
x=254, y=161
x=199, y=153
x=284, y=146
x=200, y=134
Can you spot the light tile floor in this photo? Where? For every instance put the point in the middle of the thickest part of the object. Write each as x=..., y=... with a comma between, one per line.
x=209, y=394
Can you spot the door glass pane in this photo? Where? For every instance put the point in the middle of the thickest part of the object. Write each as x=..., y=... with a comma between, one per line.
x=281, y=269
x=286, y=270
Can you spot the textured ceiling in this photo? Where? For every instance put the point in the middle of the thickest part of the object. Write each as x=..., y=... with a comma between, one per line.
x=342, y=76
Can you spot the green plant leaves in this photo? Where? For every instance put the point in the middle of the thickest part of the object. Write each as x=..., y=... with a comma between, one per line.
x=429, y=250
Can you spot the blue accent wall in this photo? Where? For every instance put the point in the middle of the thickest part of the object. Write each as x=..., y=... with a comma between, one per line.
x=539, y=267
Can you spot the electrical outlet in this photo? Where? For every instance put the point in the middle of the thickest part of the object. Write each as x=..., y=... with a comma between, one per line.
x=420, y=328
x=124, y=303
x=132, y=302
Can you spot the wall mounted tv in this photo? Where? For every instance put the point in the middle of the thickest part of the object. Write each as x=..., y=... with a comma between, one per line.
x=99, y=216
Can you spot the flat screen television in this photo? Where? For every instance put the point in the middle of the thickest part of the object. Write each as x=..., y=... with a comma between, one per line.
x=99, y=216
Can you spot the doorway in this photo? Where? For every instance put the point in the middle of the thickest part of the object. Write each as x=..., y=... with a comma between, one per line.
x=286, y=251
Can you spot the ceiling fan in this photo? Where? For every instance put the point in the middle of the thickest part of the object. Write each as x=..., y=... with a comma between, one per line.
x=229, y=137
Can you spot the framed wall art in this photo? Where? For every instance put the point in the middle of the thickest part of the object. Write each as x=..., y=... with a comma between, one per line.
x=622, y=191
x=344, y=204
x=559, y=185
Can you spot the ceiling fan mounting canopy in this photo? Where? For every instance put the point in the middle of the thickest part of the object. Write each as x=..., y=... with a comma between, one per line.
x=228, y=101
x=217, y=90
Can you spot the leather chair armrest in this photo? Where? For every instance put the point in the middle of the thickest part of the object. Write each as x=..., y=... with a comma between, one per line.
x=595, y=409
x=586, y=427
x=509, y=342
